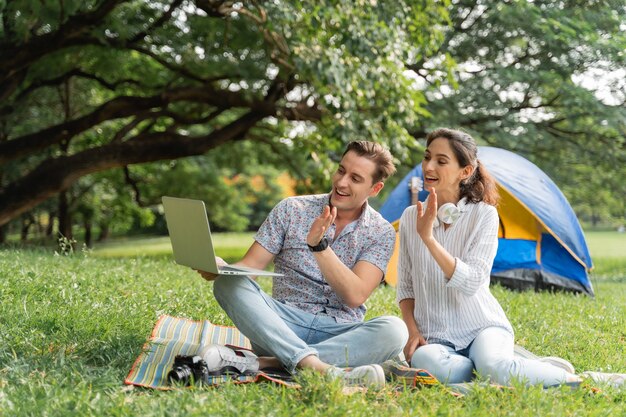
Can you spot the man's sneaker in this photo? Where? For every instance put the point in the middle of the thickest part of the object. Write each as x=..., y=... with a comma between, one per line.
x=223, y=360
x=559, y=363
x=398, y=372
x=362, y=376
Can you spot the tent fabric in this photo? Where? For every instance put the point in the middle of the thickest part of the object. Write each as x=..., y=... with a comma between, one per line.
x=516, y=253
x=541, y=243
x=540, y=194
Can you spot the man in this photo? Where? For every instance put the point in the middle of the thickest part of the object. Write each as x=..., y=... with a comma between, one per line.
x=333, y=250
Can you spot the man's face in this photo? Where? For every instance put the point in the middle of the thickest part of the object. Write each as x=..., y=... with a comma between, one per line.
x=353, y=182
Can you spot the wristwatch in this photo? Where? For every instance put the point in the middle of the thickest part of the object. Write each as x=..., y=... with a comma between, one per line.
x=320, y=246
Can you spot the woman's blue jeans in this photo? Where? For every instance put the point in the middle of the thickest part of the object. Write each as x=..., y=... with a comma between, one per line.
x=491, y=354
x=290, y=334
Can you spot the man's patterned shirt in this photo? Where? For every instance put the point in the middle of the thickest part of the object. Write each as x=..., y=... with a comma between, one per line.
x=369, y=238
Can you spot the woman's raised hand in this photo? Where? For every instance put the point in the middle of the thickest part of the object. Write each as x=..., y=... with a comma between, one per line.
x=426, y=216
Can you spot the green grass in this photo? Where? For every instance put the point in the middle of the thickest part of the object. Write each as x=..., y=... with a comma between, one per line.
x=602, y=245
x=227, y=245
x=606, y=244
x=71, y=327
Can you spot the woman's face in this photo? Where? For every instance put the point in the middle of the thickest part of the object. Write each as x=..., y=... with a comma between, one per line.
x=441, y=168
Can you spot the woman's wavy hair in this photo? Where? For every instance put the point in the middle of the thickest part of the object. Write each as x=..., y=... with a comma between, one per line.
x=480, y=186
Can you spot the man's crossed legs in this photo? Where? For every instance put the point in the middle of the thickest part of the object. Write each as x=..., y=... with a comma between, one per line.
x=288, y=337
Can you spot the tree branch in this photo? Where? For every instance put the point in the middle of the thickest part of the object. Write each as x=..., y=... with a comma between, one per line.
x=301, y=111
x=523, y=105
x=57, y=174
x=122, y=107
x=215, y=8
x=15, y=57
x=280, y=151
x=126, y=129
x=452, y=31
x=157, y=23
x=75, y=72
x=181, y=70
x=134, y=185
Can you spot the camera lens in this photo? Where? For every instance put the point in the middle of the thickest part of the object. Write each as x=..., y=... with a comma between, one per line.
x=180, y=374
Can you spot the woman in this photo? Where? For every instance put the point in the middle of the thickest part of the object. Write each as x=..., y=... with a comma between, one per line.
x=447, y=247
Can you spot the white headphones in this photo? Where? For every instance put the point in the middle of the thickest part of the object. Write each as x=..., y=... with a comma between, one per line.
x=448, y=213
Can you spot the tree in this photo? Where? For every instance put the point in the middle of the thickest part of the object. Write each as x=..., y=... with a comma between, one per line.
x=92, y=86
x=89, y=86
x=519, y=81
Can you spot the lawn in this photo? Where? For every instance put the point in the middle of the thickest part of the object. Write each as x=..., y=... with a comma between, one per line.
x=71, y=327
x=605, y=244
x=231, y=246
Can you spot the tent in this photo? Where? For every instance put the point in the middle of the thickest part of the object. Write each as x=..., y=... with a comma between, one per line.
x=541, y=244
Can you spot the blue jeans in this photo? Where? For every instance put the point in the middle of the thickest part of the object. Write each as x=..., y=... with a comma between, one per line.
x=491, y=355
x=290, y=334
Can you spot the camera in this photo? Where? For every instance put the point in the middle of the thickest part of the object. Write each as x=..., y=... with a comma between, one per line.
x=188, y=370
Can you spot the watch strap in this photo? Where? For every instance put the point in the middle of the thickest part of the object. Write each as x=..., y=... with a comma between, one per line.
x=320, y=246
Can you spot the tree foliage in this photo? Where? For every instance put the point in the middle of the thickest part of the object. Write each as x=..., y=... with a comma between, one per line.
x=522, y=80
x=108, y=92
x=89, y=86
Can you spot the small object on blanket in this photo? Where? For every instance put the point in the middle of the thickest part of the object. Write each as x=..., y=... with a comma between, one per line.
x=223, y=359
x=188, y=370
x=174, y=336
x=397, y=372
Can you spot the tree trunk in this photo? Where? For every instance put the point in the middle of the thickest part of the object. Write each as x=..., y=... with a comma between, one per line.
x=104, y=232
x=595, y=219
x=40, y=228
x=26, y=223
x=3, y=233
x=88, y=242
x=65, y=218
x=50, y=227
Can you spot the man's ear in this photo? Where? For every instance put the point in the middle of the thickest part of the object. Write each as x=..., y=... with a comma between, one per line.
x=376, y=188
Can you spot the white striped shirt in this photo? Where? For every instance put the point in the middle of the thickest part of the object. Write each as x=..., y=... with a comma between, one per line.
x=452, y=311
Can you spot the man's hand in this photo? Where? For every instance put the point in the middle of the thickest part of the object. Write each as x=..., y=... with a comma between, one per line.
x=321, y=225
x=415, y=341
x=209, y=276
x=426, y=217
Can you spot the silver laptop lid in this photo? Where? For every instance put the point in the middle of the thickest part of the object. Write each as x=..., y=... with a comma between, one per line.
x=190, y=234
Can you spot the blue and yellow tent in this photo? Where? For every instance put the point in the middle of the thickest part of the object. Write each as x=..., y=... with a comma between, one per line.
x=541, y=244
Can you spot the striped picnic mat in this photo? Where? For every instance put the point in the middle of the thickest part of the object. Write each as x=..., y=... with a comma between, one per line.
x=179, y=336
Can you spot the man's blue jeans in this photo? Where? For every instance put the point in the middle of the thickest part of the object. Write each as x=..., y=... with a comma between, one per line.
x=290, y=334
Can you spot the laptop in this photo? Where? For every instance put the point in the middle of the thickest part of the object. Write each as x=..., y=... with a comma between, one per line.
x=190, y=234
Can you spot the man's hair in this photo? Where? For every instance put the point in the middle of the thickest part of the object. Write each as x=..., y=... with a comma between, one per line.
x=376, y=153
